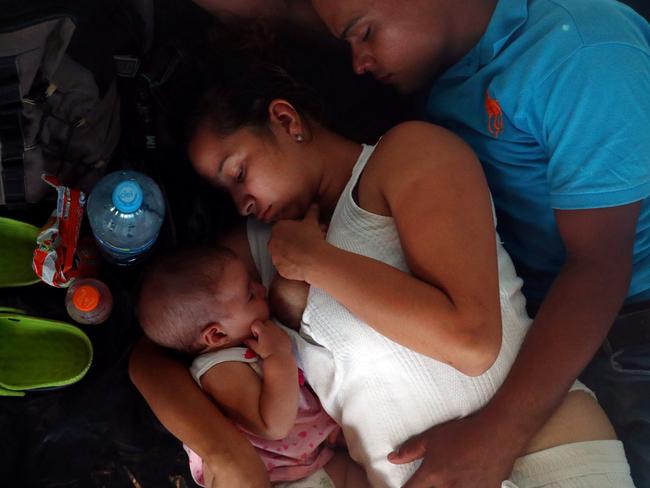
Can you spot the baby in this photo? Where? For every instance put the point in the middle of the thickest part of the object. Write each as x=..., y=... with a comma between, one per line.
x=203, y=302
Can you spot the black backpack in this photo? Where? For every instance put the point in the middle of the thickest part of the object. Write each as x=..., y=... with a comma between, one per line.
x=59, y=103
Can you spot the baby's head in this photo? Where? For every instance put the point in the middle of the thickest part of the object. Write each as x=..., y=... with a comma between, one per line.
x=200, y=300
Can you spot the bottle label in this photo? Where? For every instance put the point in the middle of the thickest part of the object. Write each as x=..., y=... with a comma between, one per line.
x=125, y=254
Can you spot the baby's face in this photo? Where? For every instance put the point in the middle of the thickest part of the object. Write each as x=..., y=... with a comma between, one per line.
x=242, y=300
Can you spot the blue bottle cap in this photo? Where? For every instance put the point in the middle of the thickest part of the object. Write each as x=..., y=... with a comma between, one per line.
x=127, y=196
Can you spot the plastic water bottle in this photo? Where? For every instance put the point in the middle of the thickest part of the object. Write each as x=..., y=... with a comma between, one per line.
x=88, y=301
x=125, y=210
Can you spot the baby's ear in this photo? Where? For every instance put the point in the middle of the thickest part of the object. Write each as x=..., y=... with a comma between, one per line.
x=213, y=336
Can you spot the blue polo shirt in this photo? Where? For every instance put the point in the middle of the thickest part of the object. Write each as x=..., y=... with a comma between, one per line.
x=555, y=100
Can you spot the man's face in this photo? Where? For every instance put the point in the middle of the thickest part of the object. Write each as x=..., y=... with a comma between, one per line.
x=404, y=44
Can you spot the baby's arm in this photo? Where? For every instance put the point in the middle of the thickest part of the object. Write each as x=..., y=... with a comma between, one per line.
x=267, y=406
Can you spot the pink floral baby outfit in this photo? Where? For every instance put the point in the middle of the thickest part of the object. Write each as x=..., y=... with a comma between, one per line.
x=303, y=452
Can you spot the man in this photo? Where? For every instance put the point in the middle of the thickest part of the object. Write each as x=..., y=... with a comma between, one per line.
x=554, y=97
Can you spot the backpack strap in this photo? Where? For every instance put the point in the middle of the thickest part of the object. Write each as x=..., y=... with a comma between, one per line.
x=11, y=134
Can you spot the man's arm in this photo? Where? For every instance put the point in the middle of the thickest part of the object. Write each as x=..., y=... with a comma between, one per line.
x=192, y=417
x=570, y=326
x=577, y=313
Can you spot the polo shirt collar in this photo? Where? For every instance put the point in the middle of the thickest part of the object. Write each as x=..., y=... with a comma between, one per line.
x=507, y=17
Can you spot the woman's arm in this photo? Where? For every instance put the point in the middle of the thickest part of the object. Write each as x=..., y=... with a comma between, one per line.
x=266, y=406
x=193, y=418
x=432, y=185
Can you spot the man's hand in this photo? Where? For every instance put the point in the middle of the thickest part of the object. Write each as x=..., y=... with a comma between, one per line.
x=463, y=453
x=295, y=244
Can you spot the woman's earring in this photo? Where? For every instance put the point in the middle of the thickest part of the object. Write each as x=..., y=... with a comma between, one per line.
x=299, y=138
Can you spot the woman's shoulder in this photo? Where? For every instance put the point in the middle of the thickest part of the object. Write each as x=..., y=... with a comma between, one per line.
x=422, y=145
x=418, y=131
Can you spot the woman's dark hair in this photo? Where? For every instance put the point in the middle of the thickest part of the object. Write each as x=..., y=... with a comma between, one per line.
x=242, y=67
x=242, y=76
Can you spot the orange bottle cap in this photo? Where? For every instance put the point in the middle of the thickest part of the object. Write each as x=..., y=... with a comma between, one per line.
x=86, y=298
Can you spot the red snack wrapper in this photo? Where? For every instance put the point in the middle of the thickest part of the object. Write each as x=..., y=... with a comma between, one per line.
x=56, y=244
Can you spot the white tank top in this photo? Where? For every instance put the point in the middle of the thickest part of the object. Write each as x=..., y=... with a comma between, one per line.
x=381, y=392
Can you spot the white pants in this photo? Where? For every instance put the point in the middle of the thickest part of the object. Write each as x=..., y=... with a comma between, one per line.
x=595, y=464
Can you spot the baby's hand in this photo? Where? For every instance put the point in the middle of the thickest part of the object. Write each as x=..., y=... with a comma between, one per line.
x=268, y=340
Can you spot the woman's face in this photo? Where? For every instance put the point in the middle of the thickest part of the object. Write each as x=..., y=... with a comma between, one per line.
x=263, y=172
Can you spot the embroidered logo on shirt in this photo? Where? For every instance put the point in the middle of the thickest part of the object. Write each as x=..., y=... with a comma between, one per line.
x=495, y=115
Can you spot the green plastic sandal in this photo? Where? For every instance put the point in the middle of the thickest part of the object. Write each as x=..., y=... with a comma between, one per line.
x=38, y=353
x=17, y=243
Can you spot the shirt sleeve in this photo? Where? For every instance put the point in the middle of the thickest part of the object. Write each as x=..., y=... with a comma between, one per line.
x=594, y=117
x=204, y=362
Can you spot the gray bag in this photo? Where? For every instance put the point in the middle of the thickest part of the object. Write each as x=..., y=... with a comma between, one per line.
x=53, y=118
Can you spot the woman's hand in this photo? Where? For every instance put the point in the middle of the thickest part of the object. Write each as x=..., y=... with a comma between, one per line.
x=296, y=244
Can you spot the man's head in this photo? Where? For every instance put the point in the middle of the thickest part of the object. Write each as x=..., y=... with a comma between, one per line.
x=200, y=299
x=406, y=44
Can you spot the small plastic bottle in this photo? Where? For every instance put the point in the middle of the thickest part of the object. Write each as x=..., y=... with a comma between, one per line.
x=125, y=210
x=88, y=301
